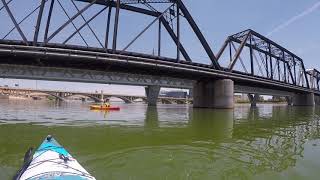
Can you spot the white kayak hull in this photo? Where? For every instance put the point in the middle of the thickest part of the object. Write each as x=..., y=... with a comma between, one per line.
x=51, y=161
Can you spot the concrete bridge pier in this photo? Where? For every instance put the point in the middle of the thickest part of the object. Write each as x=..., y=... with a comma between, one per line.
x=303, y=99
x=101, y=97
x=214, y=94
x=317, y=100
x=289, y=100
x=60, y=96
x=152, y=93
x=253, y=98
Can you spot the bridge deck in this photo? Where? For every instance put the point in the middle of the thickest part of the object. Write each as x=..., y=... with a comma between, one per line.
x=75, y=57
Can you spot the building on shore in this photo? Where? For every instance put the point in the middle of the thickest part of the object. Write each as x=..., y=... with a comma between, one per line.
x=174, y=94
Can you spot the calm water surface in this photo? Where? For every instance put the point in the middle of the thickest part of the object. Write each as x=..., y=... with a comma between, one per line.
x=168, y=142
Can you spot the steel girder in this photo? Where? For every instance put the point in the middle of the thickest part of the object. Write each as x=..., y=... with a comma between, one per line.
x=180, y=7
x=146, y=7
x=140, y=1
x=314, y=78
x=266, y=58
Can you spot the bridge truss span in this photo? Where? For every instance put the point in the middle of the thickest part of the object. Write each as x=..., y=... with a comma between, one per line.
x=84, y=41
x=314, y=80
x=249, y=52
x=79, y=23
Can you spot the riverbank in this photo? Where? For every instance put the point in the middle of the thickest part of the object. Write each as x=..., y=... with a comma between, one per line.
x=19, y=98
x=2, y=96
x=263, y=102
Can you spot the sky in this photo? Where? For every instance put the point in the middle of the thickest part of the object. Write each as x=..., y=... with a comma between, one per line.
x=294, y=24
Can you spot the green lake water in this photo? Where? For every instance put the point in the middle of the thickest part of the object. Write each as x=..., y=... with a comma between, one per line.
x=174, y=142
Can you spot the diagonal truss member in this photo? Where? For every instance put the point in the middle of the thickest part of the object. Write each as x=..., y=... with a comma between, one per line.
x=275, y=58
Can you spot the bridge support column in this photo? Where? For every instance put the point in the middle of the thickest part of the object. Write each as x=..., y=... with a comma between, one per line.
x=215, y=94
x=152, y=93
x=317, y=100
x=303, y=99
x=101, y=96
x=61, y=95
x=253, y=98
x=289, y=100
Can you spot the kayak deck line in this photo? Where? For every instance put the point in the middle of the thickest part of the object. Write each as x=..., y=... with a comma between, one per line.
x=53, y=145
x=54, y=162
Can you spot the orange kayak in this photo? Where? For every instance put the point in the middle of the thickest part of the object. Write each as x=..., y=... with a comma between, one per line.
x=105, y=108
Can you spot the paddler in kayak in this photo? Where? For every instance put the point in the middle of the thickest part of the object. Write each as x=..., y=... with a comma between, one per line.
x=106, y=103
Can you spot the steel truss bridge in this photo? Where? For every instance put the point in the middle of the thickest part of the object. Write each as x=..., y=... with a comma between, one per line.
x=79, y=40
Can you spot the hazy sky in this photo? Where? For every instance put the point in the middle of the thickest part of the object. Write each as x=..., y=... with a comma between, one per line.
x=293, y=24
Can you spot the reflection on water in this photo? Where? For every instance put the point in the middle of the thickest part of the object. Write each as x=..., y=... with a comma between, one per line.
x=168, y=141
x=212, y=124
